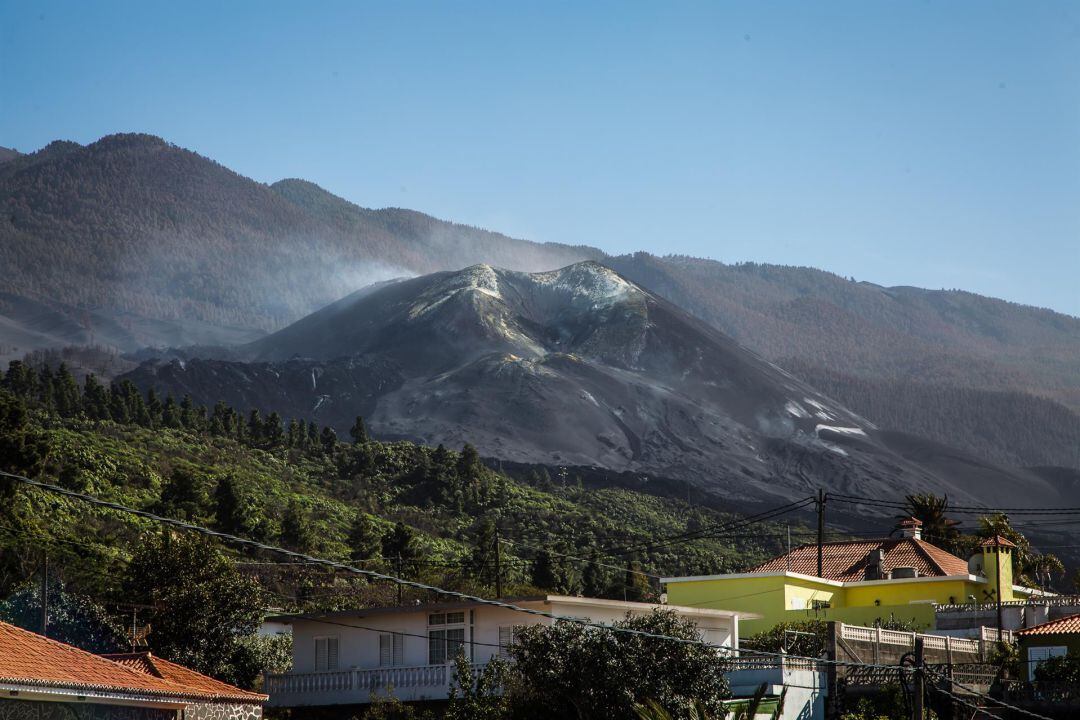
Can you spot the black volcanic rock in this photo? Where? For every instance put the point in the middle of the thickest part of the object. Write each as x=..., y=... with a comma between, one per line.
x=571, y=367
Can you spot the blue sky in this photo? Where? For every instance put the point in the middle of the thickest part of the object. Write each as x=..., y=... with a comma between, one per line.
x=919, y=143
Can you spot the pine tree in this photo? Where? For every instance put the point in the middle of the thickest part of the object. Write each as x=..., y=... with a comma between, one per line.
x=358, y=432
x=19, y=379
x=255, y=428
x=274, y=433
x=482, y=556
x=170, y=413
x=469, y=466
x=118, y=409
x=154, y=408
x=95, y=399
x=365, y=539
x=543, y=571
x=399, y=544
x=219, y=419
x=312, y=434
x=594, y=579
x=46, y=388
x=296, y=531
x=66, y=392
x=229, y=506
x=187, y=413
x=328, y=439
x=294, y=434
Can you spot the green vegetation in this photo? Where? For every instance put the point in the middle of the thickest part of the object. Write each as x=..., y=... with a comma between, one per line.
x=431, y=514
x=567, y=670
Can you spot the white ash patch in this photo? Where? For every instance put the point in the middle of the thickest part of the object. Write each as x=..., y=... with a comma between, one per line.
x=822, y=410
x=795, y=409
x=853, y=431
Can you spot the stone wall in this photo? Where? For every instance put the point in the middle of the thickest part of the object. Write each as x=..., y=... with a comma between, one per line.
x=222, y=711
x=37, y=710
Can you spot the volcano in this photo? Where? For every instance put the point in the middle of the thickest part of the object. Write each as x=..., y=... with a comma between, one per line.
x=575, y=367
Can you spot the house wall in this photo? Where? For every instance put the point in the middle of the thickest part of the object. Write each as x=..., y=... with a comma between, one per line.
x=789, y=599
x=359, y=648
x=765, y=596
x=1072, y=642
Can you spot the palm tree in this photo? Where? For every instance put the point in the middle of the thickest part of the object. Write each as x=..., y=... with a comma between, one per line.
x=931, y=511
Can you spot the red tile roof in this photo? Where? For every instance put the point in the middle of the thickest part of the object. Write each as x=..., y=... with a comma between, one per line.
x=1063, y=626
x=146, y=662
x=846, y=561
x=27, y=658
x=997, y=541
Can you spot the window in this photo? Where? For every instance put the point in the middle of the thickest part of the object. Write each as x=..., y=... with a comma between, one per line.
x=508, y=635
x=1037, y=655
x=444, y=640
x=326, y=653
x=450, y=618
x=391, y=649
x=820, y=604
x=444, y=645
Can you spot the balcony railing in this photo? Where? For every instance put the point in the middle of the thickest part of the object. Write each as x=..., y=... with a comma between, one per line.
x=360, y=685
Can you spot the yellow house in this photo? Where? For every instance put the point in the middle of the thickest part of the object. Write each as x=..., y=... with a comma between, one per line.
x=861, y=581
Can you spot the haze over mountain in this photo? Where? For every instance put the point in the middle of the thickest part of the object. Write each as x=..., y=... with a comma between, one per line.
x=130, y=241
x=576, y=367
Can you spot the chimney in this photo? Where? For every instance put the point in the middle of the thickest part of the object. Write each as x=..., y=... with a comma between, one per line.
x=875, y=565
x=911, y=528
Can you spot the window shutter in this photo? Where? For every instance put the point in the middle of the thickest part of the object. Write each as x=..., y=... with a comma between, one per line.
x=506, y=638
x=386, y=650
x=331, y=653
x=320, y=654
x=399, y=648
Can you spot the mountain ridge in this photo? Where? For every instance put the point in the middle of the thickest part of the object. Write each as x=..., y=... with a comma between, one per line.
x=580, y=367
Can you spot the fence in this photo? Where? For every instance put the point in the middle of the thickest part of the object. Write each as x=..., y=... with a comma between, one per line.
x=1051, y=601
x=881, y=636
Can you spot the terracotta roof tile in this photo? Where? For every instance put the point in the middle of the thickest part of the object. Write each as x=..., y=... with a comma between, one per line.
x=150, y=664
x=847, y=561
x=1063, y=626
x=997, y=541
x=27, y=658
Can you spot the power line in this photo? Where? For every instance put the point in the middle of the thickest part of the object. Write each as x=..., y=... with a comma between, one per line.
x=200, y=530
x=959, y=509
x=1002, y=703
x=518, y=543
x=708, y=532
x=967, y=703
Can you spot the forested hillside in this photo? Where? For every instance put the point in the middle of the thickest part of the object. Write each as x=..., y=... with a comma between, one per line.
x=294, y=484
x=138, y=226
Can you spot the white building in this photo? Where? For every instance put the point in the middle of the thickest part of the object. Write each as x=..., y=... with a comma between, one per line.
x=353, y=656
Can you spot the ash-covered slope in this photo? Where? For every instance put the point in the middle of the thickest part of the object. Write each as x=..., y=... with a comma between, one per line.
x=572, y=367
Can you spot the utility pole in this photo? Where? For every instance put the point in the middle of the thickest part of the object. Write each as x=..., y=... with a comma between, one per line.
x=498, y=565
x=997, y=575
x=45, y=594
x=820, y=531
x=919, y=682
